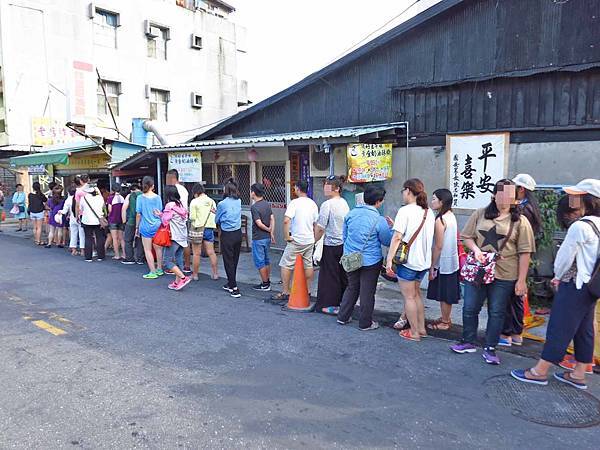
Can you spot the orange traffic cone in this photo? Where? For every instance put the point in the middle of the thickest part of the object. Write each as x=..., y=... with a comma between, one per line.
x=526, y=310
x=299, y=299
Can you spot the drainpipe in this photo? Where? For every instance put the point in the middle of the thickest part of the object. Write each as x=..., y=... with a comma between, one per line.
x=151, y=127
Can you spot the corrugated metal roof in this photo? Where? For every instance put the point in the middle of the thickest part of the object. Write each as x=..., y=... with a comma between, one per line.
x=350, y=132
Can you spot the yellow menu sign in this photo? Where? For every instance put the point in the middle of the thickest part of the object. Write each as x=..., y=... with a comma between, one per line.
x=85, y=162
x=369, y=162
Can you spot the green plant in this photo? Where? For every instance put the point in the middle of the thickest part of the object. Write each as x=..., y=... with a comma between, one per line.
x=547, y=201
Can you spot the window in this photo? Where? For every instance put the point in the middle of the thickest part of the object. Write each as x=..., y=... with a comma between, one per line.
x=196, y=41
x=159, y=100
x=157, y=41
x=113, y=90
x=196, y=100
x=105, y=28
x=240, y=173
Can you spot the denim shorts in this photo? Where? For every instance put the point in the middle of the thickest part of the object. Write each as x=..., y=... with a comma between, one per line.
x=116, y=226
x=209, y=235
x=407, y=274
x=260, y=253
x=36, y=216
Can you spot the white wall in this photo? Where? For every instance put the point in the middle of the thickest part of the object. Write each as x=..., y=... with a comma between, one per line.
x=42, y=39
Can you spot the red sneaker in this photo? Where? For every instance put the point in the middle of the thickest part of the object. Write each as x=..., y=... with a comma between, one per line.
x=183, y=283
x=569, y=363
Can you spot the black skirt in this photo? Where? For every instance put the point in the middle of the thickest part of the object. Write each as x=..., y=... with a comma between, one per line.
x=445, y=288
x=332, y=278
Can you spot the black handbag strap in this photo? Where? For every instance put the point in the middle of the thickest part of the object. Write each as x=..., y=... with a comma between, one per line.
x=93, y=210
x=595, y=228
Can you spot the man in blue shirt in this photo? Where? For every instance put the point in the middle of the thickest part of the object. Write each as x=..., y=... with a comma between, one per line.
x=365, y=231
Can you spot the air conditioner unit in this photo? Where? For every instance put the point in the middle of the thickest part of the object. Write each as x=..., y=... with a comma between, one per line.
x=320, y=160
x=196, y=100
x=147, y=90
x=196, y=41
x=92, y=10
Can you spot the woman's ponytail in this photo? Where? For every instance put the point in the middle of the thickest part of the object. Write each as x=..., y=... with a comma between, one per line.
x=417, y=188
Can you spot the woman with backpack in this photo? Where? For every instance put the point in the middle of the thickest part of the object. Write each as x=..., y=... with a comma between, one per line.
x=572, y=316
x=55, y=228
x=413, y=232
x=501, y=242
x=175, y=217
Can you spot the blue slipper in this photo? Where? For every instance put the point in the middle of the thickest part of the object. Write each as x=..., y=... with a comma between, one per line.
x=565, y=377
x=520, y=375
x=331, y=310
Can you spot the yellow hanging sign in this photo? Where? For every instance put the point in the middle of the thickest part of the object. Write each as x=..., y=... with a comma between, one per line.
x=369, y=162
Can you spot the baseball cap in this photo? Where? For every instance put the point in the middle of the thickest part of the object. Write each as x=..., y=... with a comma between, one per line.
x=587, y=186
x=526, y=181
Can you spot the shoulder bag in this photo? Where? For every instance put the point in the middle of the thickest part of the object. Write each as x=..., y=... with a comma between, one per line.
x=478, y=273
x=401, y=256
x=594, y=284
x=354, y=261
x=101, y=219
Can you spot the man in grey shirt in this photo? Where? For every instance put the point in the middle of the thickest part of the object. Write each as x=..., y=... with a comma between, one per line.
x=330, y=226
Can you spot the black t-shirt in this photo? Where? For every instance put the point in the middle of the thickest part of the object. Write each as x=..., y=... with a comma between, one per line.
x=36, y=203
x=261, y=210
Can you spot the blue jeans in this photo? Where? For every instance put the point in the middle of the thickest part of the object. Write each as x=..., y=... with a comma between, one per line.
x=497, y=293
x=173, y=253
x=572, y=318
x=260, y=253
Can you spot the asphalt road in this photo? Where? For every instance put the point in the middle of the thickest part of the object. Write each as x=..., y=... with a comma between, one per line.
x=144, y=367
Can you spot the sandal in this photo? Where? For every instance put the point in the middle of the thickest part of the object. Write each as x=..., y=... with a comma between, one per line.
x=529, y=376
x=281, y=297
x=406, y=334
x=400, y=324
x=331, y=310
x=440, y=325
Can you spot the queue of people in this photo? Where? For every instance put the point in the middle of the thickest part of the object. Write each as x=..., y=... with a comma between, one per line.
x=423, y=241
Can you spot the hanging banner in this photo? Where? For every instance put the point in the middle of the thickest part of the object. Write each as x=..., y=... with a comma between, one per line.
x=188, y=165
x=369, y=162
x=85, y=162
x=47, y=131
x=37, y=169
x=475, y=163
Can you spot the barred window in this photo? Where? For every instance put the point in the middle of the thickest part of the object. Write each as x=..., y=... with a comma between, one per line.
x=241, y=174
x=273, y=178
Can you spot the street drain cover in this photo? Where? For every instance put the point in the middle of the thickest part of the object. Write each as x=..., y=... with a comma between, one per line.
x=556, y=405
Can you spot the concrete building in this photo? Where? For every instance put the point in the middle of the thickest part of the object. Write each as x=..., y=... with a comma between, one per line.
x=175, y=62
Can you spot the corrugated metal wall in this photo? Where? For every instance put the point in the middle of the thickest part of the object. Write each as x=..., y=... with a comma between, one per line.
x=476, y=40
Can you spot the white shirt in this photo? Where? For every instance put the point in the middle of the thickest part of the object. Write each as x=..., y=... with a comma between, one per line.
x=449, y=257
x=183, y=195
x=68, y=209
x=580, y=245
x=95, y=201
x=407, y=222
x=331, y=219
x=304, y=213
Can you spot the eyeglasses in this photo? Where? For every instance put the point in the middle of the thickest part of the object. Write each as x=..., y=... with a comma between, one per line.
x=331, y=177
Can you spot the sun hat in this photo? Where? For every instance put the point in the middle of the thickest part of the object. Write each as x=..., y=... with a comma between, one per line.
x=587, y=186
x=526, y=181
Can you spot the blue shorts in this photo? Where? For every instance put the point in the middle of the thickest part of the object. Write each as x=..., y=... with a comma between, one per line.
x=260, y=253
x=209, y=235
x=406, y=274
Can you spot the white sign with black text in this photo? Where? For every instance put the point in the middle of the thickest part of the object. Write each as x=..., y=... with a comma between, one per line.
x=475, y=163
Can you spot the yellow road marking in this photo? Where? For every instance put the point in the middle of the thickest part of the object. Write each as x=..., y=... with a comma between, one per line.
x=49, y=328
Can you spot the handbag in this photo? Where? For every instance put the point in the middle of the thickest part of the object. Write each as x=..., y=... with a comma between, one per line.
x=401, y=256
x=197, y=234
x=462, y=255
x=101, y=219
x=14, y=209
x=354, y=261
x=162, y=238
x=478, y=273
x=594, y=284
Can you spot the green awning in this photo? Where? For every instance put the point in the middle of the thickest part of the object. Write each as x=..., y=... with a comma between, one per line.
x=55, y=154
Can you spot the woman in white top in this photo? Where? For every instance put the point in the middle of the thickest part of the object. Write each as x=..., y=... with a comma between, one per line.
x=572, y=316
x=414, y=222
x=68, y=211
x=92, y=208
x=444, y=284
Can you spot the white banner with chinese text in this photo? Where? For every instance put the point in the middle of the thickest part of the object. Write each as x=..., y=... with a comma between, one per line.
x=475, y=163
x=188, y=164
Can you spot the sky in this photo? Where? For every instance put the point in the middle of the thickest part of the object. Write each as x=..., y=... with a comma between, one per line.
x=290, y=39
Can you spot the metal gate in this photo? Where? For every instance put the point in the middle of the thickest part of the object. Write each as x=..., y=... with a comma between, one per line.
x=9, y=182
x=272, y=176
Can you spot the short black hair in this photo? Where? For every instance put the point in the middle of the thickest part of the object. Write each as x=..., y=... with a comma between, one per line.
x=174, y=173
x=374, y=194
x=302, y=185
x=172, y=195
x=258, y=189
x=198, y=189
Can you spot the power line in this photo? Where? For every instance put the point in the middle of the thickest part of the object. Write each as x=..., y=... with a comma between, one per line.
x=374, y=31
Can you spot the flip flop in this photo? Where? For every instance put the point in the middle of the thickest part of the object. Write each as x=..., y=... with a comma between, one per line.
x=405, y=334
x=400, y=324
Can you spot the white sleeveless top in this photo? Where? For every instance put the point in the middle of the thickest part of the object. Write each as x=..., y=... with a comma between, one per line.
x=449, y=258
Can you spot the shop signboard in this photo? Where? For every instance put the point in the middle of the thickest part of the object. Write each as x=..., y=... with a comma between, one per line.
x=188, y=165
x=85, y=162
x=475, y=163
x=369, y=162
x=47, y=131
x=37, y=169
